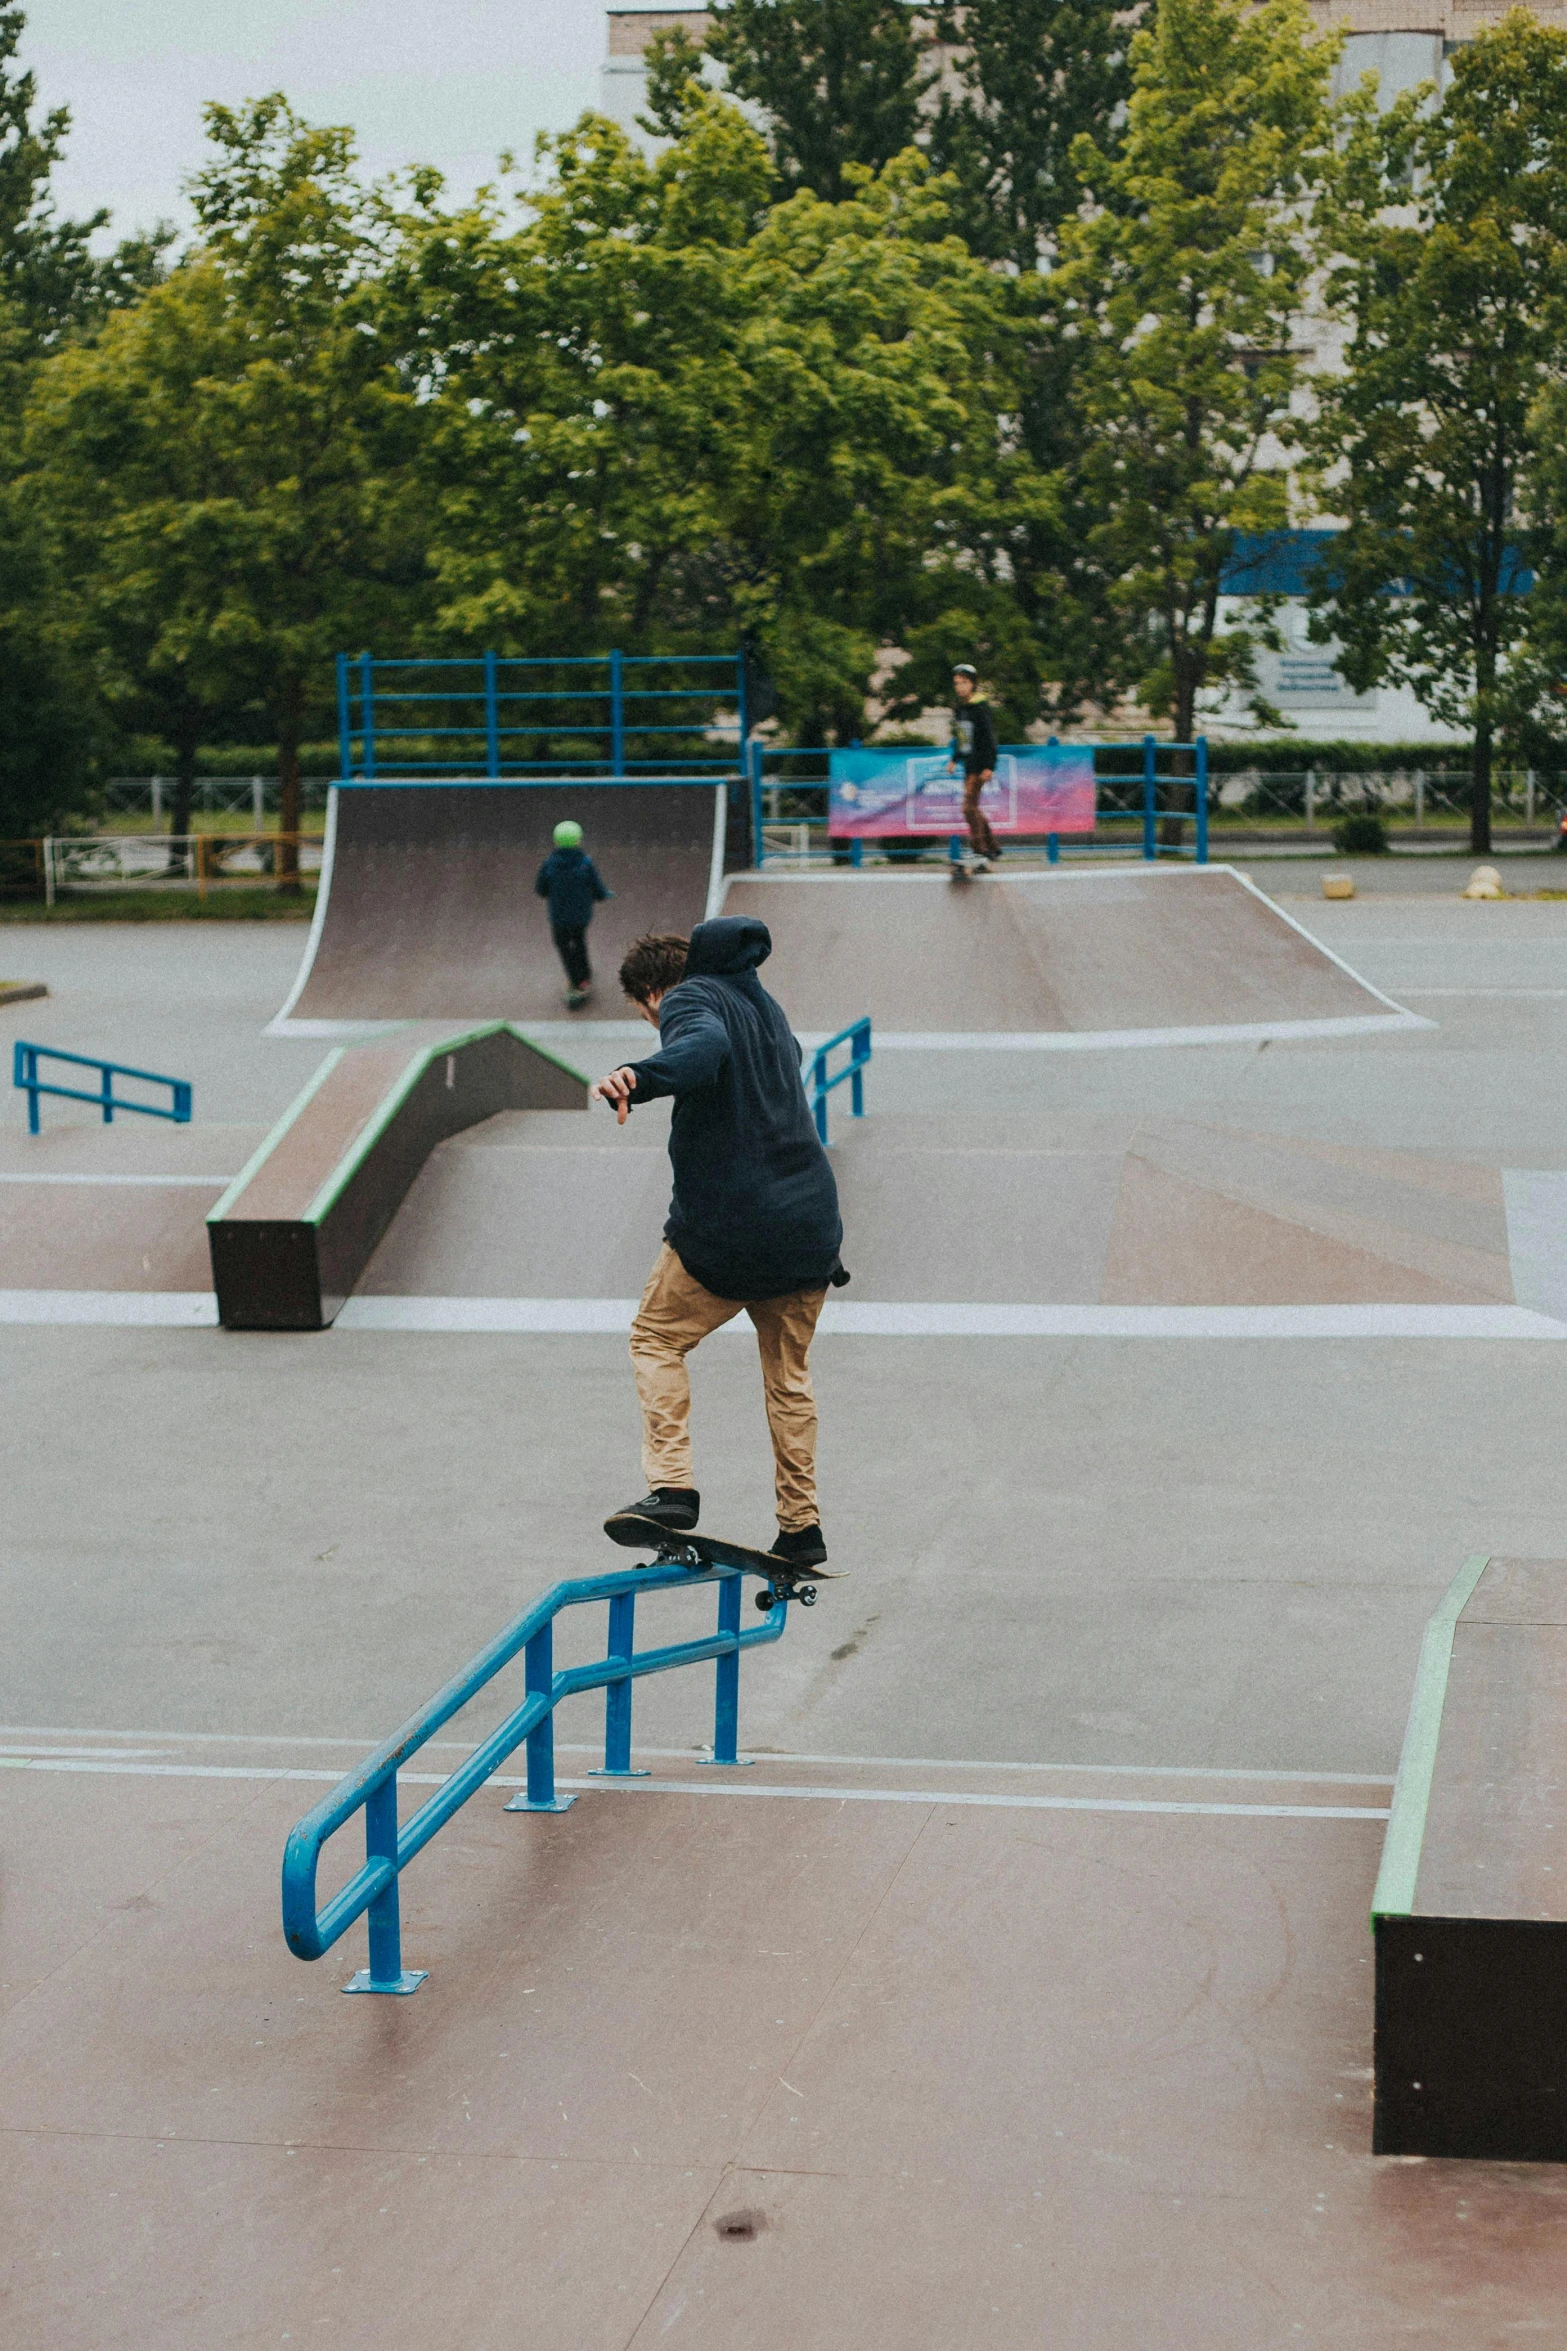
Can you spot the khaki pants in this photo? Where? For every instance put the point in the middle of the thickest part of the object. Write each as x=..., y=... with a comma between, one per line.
x=981, y=839
x=675, y=1313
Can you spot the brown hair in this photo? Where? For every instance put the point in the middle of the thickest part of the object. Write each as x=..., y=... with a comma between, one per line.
x=654, y=965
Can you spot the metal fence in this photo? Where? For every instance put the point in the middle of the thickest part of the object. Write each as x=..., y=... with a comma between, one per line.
x=119, y=861
x=251, y=798
x=1434, y=799
x=619, y=716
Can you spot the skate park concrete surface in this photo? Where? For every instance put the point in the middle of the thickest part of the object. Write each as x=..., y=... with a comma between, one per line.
x=1020, y=1990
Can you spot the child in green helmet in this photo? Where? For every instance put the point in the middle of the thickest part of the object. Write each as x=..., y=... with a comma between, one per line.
x=570, y=880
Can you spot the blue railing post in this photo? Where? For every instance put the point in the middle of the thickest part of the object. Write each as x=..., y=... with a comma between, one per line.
x=819, y=1093
x=617, y=1695
x=758, y=845
x=1202, y=800
x=106, y=1089
x=345, y=731
x=492, y=720
x=539, y=1679
x=726, y=1708
x=24, y=1074
x=385, y=1972
x=1150, y=799
x=367, y=714
x=1052, y=848
x=617, y=716
x=857, y=1076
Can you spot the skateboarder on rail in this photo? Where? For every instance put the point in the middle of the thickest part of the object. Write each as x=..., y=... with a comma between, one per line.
x=754, y=1221
x=974, y=750
x=571, y=882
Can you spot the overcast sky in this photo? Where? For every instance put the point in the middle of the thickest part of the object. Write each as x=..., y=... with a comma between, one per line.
x=448, y=82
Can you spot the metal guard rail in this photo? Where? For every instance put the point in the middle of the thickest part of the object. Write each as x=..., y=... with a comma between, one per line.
x=24, y=1073
x=373, y=1787
x=857, y=1036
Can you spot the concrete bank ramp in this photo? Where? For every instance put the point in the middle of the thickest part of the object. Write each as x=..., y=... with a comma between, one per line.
x=426, y=908
x=1164, y=954
x=1029, y=1208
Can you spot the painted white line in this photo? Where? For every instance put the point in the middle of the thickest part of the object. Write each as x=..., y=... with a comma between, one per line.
x=212, y=1183
x=366, y=1746
x=931, y=1796
x=589, y=1317
x=112, y=1309
x=1531, y=992
x=715, y=864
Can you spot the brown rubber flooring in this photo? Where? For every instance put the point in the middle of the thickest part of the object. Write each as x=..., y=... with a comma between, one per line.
x=1026, y=1209
x=698, y=2070
x=431, y=913
x=1076, y=952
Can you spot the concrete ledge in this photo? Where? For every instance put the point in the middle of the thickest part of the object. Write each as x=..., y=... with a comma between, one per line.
x=21, y=991
x=1470, y=1909
x=296, y=1228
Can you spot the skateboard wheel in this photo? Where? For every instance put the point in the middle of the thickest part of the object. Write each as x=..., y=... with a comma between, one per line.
x=764, y=1600
x=806, y=1595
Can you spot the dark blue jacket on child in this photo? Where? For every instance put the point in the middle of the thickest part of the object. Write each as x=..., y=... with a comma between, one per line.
x=755, y=1208
x=569, y=879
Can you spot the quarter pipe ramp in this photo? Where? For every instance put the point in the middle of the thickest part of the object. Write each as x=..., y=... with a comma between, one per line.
x=426, y=908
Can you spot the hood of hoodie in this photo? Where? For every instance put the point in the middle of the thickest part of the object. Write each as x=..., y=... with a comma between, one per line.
x=726, y=949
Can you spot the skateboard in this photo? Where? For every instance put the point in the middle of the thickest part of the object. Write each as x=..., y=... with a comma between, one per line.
x=781, y=1580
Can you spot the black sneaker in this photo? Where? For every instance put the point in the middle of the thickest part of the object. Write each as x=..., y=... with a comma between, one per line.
x=803, y=1548
x=674, y=1507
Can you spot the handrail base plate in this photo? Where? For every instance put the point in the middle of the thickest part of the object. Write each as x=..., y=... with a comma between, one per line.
x=520, y=1803
x=409, y=1981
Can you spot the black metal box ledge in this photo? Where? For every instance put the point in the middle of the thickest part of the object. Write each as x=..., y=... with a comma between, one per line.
x=1470, y=1910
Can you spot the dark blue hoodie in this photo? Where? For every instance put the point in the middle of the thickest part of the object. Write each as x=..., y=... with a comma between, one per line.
x=569, y=879
x=755, y=1209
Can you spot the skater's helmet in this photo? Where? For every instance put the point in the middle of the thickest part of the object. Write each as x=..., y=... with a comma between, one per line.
x=568, y=833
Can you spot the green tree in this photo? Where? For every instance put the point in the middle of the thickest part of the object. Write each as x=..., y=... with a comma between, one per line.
x=669, y=416
x=230, y=464
x=841, y=82
x=1031, y=78
x=52, y=288
x=1452, y=221
x=1182, y=281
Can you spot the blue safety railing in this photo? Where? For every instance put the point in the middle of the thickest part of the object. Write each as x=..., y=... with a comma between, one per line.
x=372, y=1789
x=1156, y=786
x=857, y=1036
x=619, y=717
x=24, y=1073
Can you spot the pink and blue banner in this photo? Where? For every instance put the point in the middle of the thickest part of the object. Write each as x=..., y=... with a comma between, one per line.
x=1037, y=788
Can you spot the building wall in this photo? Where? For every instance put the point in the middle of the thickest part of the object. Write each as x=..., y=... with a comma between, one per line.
x=623, y=75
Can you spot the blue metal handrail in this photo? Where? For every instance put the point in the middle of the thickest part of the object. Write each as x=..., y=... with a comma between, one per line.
x=1146, y=814
x=372, y=1789
x=857, y=1036
x=24, y=1073
x=487, y=746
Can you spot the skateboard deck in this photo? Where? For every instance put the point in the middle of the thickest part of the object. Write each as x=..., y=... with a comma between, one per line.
x=788, y=1582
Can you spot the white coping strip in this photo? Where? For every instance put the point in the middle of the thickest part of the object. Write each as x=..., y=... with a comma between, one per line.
x=281, y=1025
x=1485, y=992
x=715, y=868
x=1247, y=1032
x=598, y=1787
x=112, y=1309
x=212, y=1183
x=590, y=1316
x=32, y=1733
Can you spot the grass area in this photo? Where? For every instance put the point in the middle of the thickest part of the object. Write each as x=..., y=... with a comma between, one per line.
x=161, y=904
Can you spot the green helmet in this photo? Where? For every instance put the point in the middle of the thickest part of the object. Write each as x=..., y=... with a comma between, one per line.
x=568, y=834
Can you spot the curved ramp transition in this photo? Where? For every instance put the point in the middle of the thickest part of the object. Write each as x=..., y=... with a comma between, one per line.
x=1166, y=954
x=426, y=908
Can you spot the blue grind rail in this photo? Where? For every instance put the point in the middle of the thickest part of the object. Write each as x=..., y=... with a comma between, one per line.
x=1150, y=810
x=475, y=716
x=372, y=1789
x=857, y=1036
x=24, y=1073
